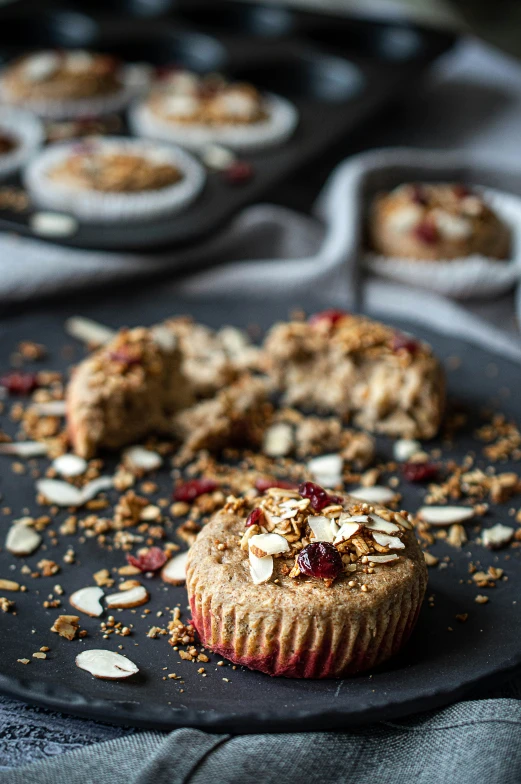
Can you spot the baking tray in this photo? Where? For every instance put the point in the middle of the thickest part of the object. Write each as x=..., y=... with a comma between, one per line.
x=338, y=72
x=438, y=666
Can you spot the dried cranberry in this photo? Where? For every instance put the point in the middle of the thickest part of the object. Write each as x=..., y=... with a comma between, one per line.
x=238, y=173
x=401, y=342
x=461, y=191
x=418, y=195
x=124, y=356
x=317, y=495
x=320, y=559
x=18, y=382
x=263, y=484
x=419, y=472
x=189, y=491
x=426, y=232
x=331, y=316
x=150, y=561
x=255, y=517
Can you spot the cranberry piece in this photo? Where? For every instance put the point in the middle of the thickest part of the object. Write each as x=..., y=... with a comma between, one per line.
x=401, y=342
x=426, y=232
x=320, y=559
x=255, y=517
x=238, y=173
x=124, y=356
x=461, y=191
x=418, y=195
x=189, y=491
x=263, y=484
x=18, y=382
x=317, y=495
x=419, y=472
x=150, y=561
x=331, y=316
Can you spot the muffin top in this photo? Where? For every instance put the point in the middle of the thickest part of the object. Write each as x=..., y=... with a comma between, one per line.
x=435, y=220
x=185, y=97
x=306, y=549
x=62, y=75
x=109, y=170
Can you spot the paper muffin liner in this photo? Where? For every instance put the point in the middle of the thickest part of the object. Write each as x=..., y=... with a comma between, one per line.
x=26, y=130
x=275, y=130
x=284, y=643
x=95, y=106
x=464, y=278
x=100, y=206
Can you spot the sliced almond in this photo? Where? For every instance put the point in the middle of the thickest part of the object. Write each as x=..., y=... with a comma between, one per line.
x=322, y=529
x=91, y=490
x=377, y=523
x=24, y=449
x=497, y=536
x=388, y=541
x=278, y=440
x=387, y=558
x=164, y=337
x=87, y=600
x=22, y=540
x=88, y=331
x=405, y=448
x=140, y=459
x=107, y=665
x=126, y=599
x=445, y=515
x=268, y=544
x=377, y=494
x=326, y=469
x=346, y=532
x=174, y=572
x=56, y=408
x=62, y=493
x=70, y=465
x=261, y=569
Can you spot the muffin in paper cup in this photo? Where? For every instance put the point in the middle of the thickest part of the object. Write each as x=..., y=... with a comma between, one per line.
x=26, y=134
x=85, y=189
x=197, y=111
x=32, y=82
x=286, y=622
x=468, y=275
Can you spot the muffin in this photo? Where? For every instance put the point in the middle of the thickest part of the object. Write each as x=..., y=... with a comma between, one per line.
x=306, y=585
x=66, y=84
x=20, y=136
x=126, y=390
x=436, y=221
x=385, y=381
x=194, y=111
x=113, y=179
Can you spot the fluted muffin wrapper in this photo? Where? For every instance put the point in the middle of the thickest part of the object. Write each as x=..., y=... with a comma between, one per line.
x=101, y=206
x=283, y=643
x=464, y=278
x=280, y=125
x=95, y=106
x=28, y=133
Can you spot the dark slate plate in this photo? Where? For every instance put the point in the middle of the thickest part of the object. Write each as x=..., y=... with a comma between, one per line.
x=437, y=667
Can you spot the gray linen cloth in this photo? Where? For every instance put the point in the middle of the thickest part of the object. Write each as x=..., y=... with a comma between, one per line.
x=472, y=100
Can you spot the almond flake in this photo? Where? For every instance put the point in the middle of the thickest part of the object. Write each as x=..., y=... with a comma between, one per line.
x=346, y=532
x=135, y=597
x=141, y=459
x=174, y=572
x=388, y=541
x=261, y=569
x=387, y=558
x=376, y=494
x=278, y=440
x=106, y=665
x=56, y=408
x=321, y=527
x=326, y=469
x=87, y=600
x=24, y=449
x=62, y=493
x=377, y=523
x=268, y=544
x=88, y=331
x=405, y=448
x=70, y=465
x=445, y=515
x=497, y=536
x=22, y=540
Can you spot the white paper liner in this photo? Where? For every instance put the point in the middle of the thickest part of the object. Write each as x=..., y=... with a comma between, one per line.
x=469, y=277
x=26, y=130
x=282, y=121
x=107, y=207
x=82, y=107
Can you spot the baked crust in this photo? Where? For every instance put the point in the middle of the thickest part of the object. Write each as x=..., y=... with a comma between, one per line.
x=360, y=369
x=300, y=627
x=430, y=222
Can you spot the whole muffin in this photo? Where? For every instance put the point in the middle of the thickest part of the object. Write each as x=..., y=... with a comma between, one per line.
x=435, y=221
x=306, y=585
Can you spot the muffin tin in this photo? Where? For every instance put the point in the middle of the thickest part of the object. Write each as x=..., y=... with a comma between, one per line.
x=338, y=72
